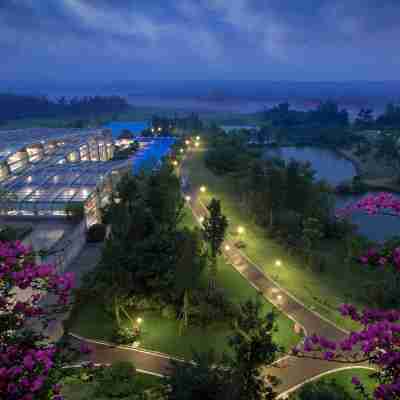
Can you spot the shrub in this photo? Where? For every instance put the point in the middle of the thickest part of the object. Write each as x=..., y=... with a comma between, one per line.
x=125, y=335
x=324, y=389
x=96, y=233
x=169, y=312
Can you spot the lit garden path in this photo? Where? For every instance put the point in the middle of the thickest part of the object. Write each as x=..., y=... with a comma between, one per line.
x=291, y=371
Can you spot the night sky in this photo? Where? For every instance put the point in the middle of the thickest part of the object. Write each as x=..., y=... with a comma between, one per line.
x=96, y=40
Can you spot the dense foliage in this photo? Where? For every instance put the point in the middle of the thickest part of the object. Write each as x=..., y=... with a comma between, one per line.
x=377, y=342
x=30, y=364
x=237, y=376
x=20, y=106
x=321, y=390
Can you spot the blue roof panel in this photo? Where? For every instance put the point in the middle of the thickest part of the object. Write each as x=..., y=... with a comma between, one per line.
x=136, y=127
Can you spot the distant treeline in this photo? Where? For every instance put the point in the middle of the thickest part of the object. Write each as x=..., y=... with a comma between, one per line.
x=326, y=124
x=18, y=106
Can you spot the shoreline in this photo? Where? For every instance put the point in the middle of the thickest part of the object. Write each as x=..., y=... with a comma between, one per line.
x=372, y=183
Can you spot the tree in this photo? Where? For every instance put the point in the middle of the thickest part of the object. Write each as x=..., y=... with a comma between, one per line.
x=253, y=347
x=215, y=227
x=190, y=264
x=377, y=341
x=119, y=381
x=31, y=365
x=204, y=379
x=312, y=233
x=321, y=390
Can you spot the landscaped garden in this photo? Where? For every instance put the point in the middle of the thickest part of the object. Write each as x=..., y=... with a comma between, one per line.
x=160, y=331
x=323, y=291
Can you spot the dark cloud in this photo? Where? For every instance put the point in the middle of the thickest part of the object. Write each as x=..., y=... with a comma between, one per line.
x=199, y=39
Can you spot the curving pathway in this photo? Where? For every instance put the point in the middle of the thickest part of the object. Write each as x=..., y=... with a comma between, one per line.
x=292, y=371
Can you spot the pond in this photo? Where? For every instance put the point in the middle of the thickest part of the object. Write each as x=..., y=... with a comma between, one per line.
x=334, y=169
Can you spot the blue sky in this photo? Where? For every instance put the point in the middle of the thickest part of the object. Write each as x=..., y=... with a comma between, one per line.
x=98, y=40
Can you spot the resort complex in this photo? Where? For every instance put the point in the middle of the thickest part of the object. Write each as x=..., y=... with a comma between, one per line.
x=51, y=176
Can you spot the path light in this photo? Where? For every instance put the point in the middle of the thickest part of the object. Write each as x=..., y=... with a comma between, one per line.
x=278, y=263
x=227, y=247
x=175, y=163
x=240, y=230
x=181, y=150
x=201, y=219
x=187, y=142
x=188, y=198
x=203, y=189
x=197, y=144
x=197, y=137
x=279, y=297
x=139, y=320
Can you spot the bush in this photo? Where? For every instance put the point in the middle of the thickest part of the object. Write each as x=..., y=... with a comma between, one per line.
x=96, y=233
x=324, y=389
x=168, y=312
x=120, y=381
x=125, y=335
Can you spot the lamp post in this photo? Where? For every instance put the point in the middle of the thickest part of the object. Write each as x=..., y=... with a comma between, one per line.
x=278, y=263
x=188, y=198
x=240, y=230
x=203, y=189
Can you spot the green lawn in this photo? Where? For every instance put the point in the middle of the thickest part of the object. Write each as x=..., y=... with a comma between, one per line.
x=161, y=334
x=343, y=379
x=74, y=389
x=323, y=292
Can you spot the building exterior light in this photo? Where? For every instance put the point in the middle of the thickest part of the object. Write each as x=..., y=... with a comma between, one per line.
x=159, y=129
x=29, y=179
x=240, y=230
x=278, y=263
x=152, y=129
x=203, y=189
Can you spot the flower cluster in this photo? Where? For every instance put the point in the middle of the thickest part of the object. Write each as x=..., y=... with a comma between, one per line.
x=377, y=342
x=29, y=363
x=374, y=204
x=388, y=254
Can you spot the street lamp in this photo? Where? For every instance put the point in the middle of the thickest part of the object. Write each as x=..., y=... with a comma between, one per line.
x=278, y=263
x=203, y=189
x=240, y=230
x=188, y=198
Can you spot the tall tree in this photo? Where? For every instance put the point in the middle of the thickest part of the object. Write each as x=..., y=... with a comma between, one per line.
x=312, y=233
x=253, y=346
x=204, y=379
x=190, y=264
x=215, y=227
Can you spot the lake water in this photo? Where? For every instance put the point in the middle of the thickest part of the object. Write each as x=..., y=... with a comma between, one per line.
x=335, y=169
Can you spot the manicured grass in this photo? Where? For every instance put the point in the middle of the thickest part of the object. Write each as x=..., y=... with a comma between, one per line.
x=161, y=334
x=323, y=291
x=343, y=378
x=74, y=389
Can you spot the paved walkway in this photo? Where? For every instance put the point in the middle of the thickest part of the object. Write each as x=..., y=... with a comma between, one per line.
x=292, y=371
